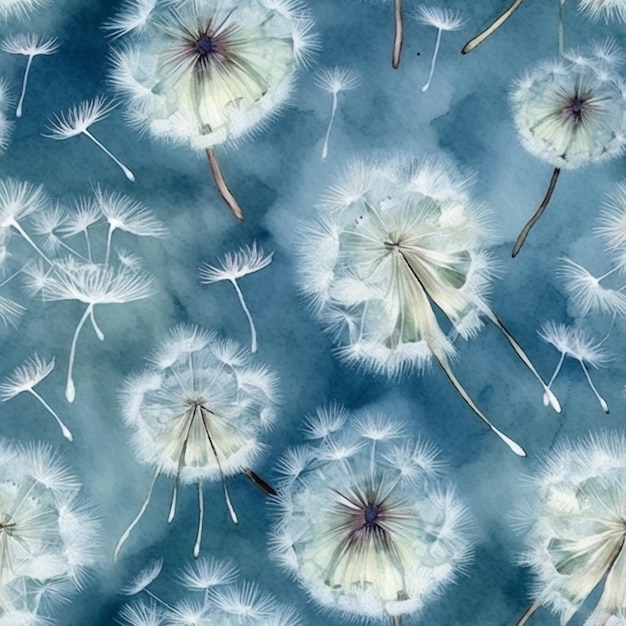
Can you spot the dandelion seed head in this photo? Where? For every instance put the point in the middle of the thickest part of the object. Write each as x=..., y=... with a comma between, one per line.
x=29, y=44
x=18, y=200
x=79, y=118
x=132, y=17
x=575, y=342
x=206, y=573
x=603, y=9
x=144, y=578
x=362, y=536
x=25, y=377
x=442, y=19
x=236, y=265
x=574, y=116
x=19, y=9
x=336, y=79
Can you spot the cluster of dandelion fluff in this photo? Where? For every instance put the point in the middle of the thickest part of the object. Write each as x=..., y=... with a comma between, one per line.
x=48, y=535
x=364, y=520
x=571, y=113
x=19, y=9
x=6, y=126
x=395, y=241
x=574, y=517
x=208, y=72
x=208, y=594
x=197, y=413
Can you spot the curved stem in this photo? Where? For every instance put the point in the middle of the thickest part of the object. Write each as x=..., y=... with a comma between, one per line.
x=222, y=187
x=529, y=613
x=266, y=488
x=557, y=369
x=398, y=39
x=64, y=429
x=433, y=62
x=253, y=347
x=196, y=547
x=124, y=169
x=142, y=510
x=521, y=238
x=70, y=389
x=561, y=37
x=18, y=110
x=109, y=238
x=397, y=620
x=330, y=126
x=179, y=466
x=30, y=242
x=96, y=328
x=473, y=43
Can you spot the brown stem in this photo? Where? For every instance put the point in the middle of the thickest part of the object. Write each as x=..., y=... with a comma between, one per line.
x=473, y=43
x=222, y=187
x=266, y=488
x=399, y=34
x=397, y=620
x=521, y=238
x=529, y=613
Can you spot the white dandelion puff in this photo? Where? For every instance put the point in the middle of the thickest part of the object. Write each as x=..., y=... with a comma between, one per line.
x=364, y=538
x=196, y=419
x=29, y=45
x=205, y=573
x=377, y=264
x=569, y=114
x=607, y=9
x=142, y=579
x=133, y=17
x=334, y=81
x=209, y=73
x=233, y=267
x=442, y=20
x=25, y=378
x=79, y=119
x=579, y=345
x=19, y=9
x=6, y=126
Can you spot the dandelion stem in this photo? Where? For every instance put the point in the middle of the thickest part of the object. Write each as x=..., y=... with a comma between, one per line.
x=546, y=400
x=266, y=488
x=529, y=613
x=552, y=399
x=222, y=187
x=142, y=510
x=330, y=125
x=108, y=250
x=561, y=38
x=253, y=346
x=74, y=252
x=124, y=169
x=433, y=62
x=521, y=238
x=398, y=39
x=231, y=510
x=18, y=110
x=88, y=245
x=70, y=389
x=96, y=328
x=161, y=602
x=601, y=400
x=196, y=547
x=179, y=466
x=397, y=620
x=26, y=237
x=473, y=43
x=64, y=429
x=607, y=274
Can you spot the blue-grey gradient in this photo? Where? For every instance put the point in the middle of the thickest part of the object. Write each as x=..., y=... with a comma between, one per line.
x=278, y=176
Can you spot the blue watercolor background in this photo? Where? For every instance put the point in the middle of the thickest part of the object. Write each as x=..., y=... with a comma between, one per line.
x=278, y=177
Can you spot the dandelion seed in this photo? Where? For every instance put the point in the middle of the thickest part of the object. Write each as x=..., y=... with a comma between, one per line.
x=49, y=536
x=334, y=81
x=29, y=45
x=196, y=418
x=377, y=264
x=233, y=267
x=570, y=114
x=92, y=285
x=133, y=17
x=208, y=594
x=79, y=119
x=364, y=538
x=24, y=379
x=575, y=532
x=441, y=19
x=577, y=344
x=208, y=73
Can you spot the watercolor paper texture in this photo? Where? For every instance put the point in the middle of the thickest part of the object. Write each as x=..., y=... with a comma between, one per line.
x=96, y=268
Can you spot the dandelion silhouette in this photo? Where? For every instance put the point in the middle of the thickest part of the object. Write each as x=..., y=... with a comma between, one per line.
x=79, y=119
x=6, y=127
x=197, y=413
x=207, y=594
x=577, y=344
x=24, y=379
x=570, y=113
x=233, y=267
x=29, y=45
x=49, y=535
x=367, y=525
x=395, y=242
x=205, y=73
x=573, y=518
x=441, y=19
x=334, y=81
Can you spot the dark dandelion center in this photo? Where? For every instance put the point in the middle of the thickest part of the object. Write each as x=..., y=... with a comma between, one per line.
x=205, y=46
x=576, y=108
x=371, y=515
